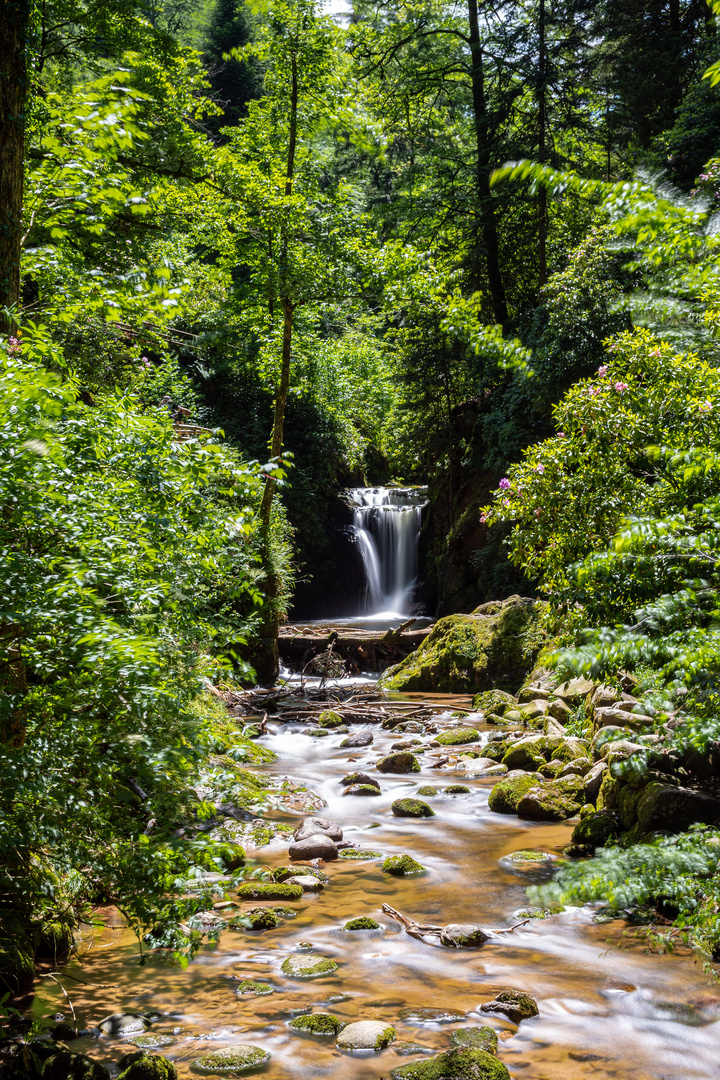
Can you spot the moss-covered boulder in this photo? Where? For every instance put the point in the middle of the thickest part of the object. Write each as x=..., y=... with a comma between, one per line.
x=456, y=789
x=463, y=936
x=508, y=792
x=596, y=830
x=153, y=1040
x=457, y=736
x=494, y=701
x=256, y=919
x=674, y=809
x=316, y=732
x=414, y=808
x=254, y=989
x=496, y=749
x=149, y=1068
x=366, y=1035
x=427, y=791
x=284, y=873
x=67, y=1066
x=482, y=1038
x=307, y=967
x=330, y=719
x=231, y=1061
x=555, y=800
x=526, y=755
x=275, y=890
x=363, y=923
x=465, y=654
x=403, y=866
x=515, y=1004
x=354, y=853
x=317, y=1024
x=460, y=1063
x=364, y=790
x=402, y=761
x=571, y=750
x=358, y=778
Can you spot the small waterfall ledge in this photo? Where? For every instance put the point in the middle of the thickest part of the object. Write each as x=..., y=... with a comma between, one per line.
x=386, y=526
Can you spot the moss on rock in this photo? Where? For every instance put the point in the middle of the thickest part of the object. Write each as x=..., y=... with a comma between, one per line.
x=403, y=866
x=317, y=1024
x=597, y=829
x=363, y=923
x=308, y=967
x=68, y=1066
x=366, y=790
x=515, y=1004
x=494, y=701
x=507, y=793
x=457, y=736
x=231, y=1061
x=400, y=762
x=358, y=778
x=256, y=989
x=414, y=808
x=555, y=800
x=330, y=719
x=483, y=1038
x=427, y=791
x=351, y=853
x=256, y=919
x=465, y=654
x=457, y=789
x=460, y=1063
x=270, y=891
x=149, y=1068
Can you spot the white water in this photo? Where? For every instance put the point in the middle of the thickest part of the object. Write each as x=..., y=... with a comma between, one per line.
x=387, y=528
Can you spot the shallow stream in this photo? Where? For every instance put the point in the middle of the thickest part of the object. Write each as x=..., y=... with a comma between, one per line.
x=607, y=1007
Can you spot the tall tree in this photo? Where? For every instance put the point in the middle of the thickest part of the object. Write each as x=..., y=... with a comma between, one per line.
x=14, y=98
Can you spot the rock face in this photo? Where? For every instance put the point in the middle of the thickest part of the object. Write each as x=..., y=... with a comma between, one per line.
x=460, y=1063
x=313, y=826
x=463, y=936
x=515, y=1004
x=318, y=846
x=358, y=738
x=366, y=1035
x=231, y=1061
x=414, y=808
x=508, y=792
x=465, y=654
x=401, y=762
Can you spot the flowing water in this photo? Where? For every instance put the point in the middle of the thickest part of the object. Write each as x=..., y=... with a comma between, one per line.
x=607, y=1008
x=386, y=522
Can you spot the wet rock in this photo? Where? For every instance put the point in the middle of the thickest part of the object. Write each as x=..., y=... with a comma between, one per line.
x=533, y=710
x=460, y=1063
x=357, y=739
x=121, y=1024
x=67, y=1066
x=403, y=866
x=317, y=1024
x=400, y=762
x=330, y=719
x=254, y=989
x=463, y=936
x=593, y=780
x=526, y=755
x=269, y=891
x=282, y=873
x=483, y=1038
x=508, y=792
x=457, y=789
x=427, y=791
x=555, y=800
x=366, y=1035
x=527, y=859
x=316, y=732
x=318, y=846
x=148, y=1068
x=414, y=808
x=307, y=883
x=597, y=829
x=515, y=1004
x=491, y=770
x=367, y=790
x=262, y=918
x=493, y=701
x=533, y=693
x=363, y=923
x=551, y=770
x=354, y=853
x=428, y=1014
x=206, y=922
x=468, y=653
x=457, y=736
x=231, y=1061
x=579, y=767
x=315, y=826
x=63, y=1033
x=673, y=809
x=359, y=778
x=307, y=967
x=482, y=766
x=570, y=750
x=152, y=1041
x=408, y=744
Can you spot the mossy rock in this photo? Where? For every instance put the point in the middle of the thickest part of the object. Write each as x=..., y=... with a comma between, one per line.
x=149, y=1068
x=496, y=749
x=282, y=873
x=330, y=719
x=317, y=1024
x=307, y=967
x=596, y=830
x=152, y=1041
x=403, y=866
x=271, y=891
x=460, y=1063
x=494, y=701
x=351, y=853
x=524, y=755
x=413, y=808
x=507, y=793
x=358, y=778
x=528, y=858
x=68, y=1066
x=551, y=769
x=466, y=654
x=366, y=790
x=402, y=761
x=515, y=1004
x=482, y=1038
x=427, y=791
x=555, y=800
x=457, y=736
x=256, y=919
x=254, y=989
x=570, y=751
x=316, y=732
x=363, y=923
x=430, y=1014
x=457, y=789
x=231, y=1061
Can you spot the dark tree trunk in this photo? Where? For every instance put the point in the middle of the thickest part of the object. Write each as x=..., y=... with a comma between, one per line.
x=14, y=84
x=542, y=144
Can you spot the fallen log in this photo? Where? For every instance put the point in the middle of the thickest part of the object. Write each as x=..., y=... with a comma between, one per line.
x=454, y=935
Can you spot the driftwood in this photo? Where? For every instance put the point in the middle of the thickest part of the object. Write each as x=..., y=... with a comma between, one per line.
x=445, y=933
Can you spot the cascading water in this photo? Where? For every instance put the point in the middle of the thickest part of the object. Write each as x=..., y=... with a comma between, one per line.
x=387, y=524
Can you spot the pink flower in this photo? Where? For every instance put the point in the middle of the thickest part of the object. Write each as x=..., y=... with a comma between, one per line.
x=603, y=370
x=483, y=518
x=540, y=468
x=705, y=406
x=621, y=387
x=561, y=434
x=504, y=484
x=506, y=502
x=538, y=512
x=14, y=346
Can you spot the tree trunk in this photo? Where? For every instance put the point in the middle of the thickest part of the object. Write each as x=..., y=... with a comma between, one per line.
x=542, y=145
x=482, y=170
x=14, y=86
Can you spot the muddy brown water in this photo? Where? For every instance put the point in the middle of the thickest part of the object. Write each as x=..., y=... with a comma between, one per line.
x=608, y=1008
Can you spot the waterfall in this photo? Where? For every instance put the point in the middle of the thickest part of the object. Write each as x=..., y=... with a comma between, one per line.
x=386, y=522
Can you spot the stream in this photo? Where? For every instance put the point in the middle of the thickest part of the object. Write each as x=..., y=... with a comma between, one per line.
x=608, y=1007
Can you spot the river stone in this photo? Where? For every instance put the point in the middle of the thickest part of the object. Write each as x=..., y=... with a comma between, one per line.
x=457, y=789
x=318, y=846
x=65, y=1065
x=401, y=762
x=526, y=755
x=460, y=1063
x=330, y=719
x=145, y=1067
x=121, y=1024
x=231, y=1060
x=593, y=780
x=508, y=792
x=315, y=826
x=403, y=866
x=483, y=1038
x=427, y=791
x=364, y=922
x=463, y=936
x=282, y=873
x=356, y=853
x=515, y=1004
x=359, y=778
x=527, y=859
x=358, y=738
x=555, y=800
x=307, y=883
x=596, y=829
x=269, y=891
x=366, y=1035
x=414, y=808
x=317, y=1024
x=428, y=1014
x=262, y=918
x=482, y=765
x=559, y=710
x=256, y=989
x=576, y=690
x=457, y=737
x=368, y=790
x=494, y=701
x=307, y=967
x=152, y=1041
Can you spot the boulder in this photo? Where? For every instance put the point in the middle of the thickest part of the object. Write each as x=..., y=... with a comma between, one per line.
x=554, y=727
x=316, y=1024
x=483, y=1038
x=508, y=792
x=534, y=709
x=480, y=765
x=493, y=701
x=400, y=762
x=304, y=966
x=318, y=846
x=460, y=1063
x=576, y=690
x=282, y=873
x=403, y=866
x=119, y=1025
x=358, y=738
x=465, y=654
x=364, y=922
x=275, y=890
x=313, y=826
x=255, y=919
x=593, y=780
x=559, y=710
x=359, y=778
x=463, y=936
x=457, y=736
x=330, y=719
x=515, y=1004
x=414, y=808
x=596, y=830
x=673, y=809
x=363, y=789
x=366, y=1035
x=231, y=1061
x=307, y=883
x=64, y=1065
x=525, y=754
x=612, y=715
x=147, y=1068
x=533, y=693
x=256, y=989
x=555, y=800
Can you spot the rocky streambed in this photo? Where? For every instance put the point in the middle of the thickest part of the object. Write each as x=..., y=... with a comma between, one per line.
x=387, y=930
